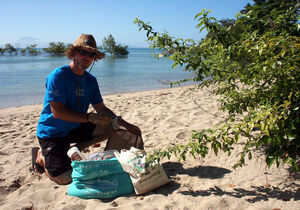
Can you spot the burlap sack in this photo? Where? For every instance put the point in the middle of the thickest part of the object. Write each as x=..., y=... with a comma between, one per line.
x=123, y=139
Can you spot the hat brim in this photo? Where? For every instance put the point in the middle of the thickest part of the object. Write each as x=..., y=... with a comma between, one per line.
x=99, y=55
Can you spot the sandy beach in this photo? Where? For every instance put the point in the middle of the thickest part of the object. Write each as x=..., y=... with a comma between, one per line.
x=165, y=117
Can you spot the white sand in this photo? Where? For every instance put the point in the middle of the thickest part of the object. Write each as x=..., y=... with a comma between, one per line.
x=165, y=117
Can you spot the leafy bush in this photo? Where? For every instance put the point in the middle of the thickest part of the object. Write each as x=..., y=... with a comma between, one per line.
x=55, y=49
x=253, y=64
x=2, y=51
x=120, y=51
x=109, y=45
x=31, y=49
x=10, y=49
x=23, y=51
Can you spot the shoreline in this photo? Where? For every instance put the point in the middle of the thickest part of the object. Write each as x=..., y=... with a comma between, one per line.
x=107, y=94
x=28, y=106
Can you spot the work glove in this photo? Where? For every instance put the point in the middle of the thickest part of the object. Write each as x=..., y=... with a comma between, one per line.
x=99, y=120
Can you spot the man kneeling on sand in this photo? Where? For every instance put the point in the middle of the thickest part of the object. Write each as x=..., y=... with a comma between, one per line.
x=70, y=90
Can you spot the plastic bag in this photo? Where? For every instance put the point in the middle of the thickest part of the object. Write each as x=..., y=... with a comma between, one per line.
x=102, y=155
x=132, y=161
x=144, y=179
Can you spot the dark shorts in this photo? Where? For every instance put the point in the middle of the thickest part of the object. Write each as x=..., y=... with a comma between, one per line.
x=55, y=149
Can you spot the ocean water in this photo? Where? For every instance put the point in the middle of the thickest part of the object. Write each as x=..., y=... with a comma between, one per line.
x=22, y=78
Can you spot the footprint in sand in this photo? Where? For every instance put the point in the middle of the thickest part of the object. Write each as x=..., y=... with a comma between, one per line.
x=181, y=135
x=5, y=125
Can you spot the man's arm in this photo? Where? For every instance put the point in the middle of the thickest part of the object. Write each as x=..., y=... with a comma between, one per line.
x=61, y=112
x=102, y=110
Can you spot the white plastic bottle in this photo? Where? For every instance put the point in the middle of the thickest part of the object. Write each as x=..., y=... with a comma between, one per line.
x=75, y=154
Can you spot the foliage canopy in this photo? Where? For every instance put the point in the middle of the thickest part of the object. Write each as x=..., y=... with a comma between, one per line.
x=109, y=45
x=253, y=64
x=56, y=49
x=10, y=49
x=2, y=51
x=31, y=49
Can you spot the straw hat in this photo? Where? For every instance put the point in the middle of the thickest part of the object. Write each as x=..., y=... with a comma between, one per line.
x=85, y=41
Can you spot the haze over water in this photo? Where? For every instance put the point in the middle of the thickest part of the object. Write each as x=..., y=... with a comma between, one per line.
x=22, y=78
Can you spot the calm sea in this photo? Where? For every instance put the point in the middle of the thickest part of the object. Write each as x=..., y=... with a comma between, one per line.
x=22, y=78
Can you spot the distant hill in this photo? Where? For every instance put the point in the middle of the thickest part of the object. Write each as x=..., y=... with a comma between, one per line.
x=26, y=41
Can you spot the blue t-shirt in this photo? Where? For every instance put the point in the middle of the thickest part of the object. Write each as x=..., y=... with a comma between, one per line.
x=76, y=92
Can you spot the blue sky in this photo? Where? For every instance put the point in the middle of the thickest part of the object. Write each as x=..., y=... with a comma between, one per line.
x=65, y=20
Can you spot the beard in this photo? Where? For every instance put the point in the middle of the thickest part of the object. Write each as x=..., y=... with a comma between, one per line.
x=83, y=64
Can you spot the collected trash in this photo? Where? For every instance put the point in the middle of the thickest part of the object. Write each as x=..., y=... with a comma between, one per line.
x=102, y=155
x=75, y=154
x=133, y=161
x=110, y=174
x=144, y=178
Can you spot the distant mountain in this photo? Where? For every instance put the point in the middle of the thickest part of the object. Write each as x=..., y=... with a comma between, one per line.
x=26, y=41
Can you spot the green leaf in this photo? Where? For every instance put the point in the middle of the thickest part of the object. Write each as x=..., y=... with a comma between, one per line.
x=250, y=156
x=270, y=160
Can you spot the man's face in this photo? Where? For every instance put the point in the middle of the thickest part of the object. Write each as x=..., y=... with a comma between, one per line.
x=84, y=57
